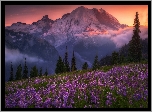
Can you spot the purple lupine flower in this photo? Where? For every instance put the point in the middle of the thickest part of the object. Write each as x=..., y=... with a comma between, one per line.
x=137, y=96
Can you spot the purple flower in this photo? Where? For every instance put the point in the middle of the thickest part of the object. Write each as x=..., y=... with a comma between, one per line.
x=137, y=96
x=108, y=102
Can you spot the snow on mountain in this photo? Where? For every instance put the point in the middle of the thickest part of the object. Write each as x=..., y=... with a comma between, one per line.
x=23, y=27
x=42, y=25
x=85, y=31
x=80, y=23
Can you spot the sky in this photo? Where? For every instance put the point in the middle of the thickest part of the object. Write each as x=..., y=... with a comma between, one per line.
x=28, y=14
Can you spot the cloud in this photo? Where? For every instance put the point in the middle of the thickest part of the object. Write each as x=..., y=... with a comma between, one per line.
x=119, y=37
x=123, y=36
x=15, y=56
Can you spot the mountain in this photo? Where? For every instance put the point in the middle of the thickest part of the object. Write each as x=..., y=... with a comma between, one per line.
x=29, y=44
x=86, y=31
x=80, y=21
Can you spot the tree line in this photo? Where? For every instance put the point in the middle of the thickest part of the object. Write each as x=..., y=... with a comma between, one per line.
x=134, y=54
x=134, y=51
x=62, y=66
x=23, y=73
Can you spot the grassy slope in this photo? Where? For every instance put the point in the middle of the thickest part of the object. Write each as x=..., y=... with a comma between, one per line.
x=120, y=102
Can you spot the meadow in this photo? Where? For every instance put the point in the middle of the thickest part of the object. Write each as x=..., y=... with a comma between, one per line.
x=123, y=86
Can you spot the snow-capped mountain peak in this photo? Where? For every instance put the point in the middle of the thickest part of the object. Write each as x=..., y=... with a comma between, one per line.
x=81, y=21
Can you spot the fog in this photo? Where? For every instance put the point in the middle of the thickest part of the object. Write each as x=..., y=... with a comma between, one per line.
x=123, y=36
x=12, y=55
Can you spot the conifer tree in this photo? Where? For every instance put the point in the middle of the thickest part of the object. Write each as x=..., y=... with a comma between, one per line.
x=25, y=71
x=115, y=58
x=135, y=53
x=96, y=63
x=85, y=66
x=73, y=63
x=19, y=73
x=34, y=72
x=46, y=73
x=121, y=58
x=11, y=73
x=60, y=68
x=40, y=74
x=66, y=63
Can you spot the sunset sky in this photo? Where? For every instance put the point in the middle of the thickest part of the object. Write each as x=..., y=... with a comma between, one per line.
x=28, y=14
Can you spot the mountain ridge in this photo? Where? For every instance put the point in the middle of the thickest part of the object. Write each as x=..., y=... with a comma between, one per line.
x=83, y=30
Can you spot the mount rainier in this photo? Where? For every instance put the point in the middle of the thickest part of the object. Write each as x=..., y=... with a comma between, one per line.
x=86, y=31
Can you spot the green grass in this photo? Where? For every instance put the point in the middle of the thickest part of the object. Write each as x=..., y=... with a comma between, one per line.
x=121, y=101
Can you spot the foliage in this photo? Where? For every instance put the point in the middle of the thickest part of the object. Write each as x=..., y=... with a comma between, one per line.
x=46, y=73
x=66, y=63
x=34, y=72
x=25, y=71
x=105, y=61
x=135, y=47
x=73, y=63
x=96, y=63
x=40, y=74
x=85, y=66
x=19, y=73
x=60, y=68
x=11, y=73
x=115, y=58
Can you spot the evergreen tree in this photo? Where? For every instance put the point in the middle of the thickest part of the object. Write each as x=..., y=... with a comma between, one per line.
x=115, y=58
x=124, y=50
x=60, y=68
x=34, y=72
x=105, y=61
x=25, y=71
x=40, y=74
x=85, y=66
x=135, y=53
x=73, y=63
x=46, y=73
x=66, y=63
x=96, y=63
x=19, y=73
x=11, y=73
x=121, y=59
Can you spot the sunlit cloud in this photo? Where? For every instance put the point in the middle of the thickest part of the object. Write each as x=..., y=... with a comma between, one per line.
x=123, y=36
x=119, y=37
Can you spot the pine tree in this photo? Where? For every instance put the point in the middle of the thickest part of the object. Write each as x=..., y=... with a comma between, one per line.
x=135, y=53
x=34, y=72
x=121, y=58
x=96, y=63
x=19, y=73
x=60, y=68
x=40, y=74
x=11, y=73
x=115, y=58
x=66, y=63
x=25, y=72
x=105, y=60
x=73, y=63
x=46, y=73
x=85, y=66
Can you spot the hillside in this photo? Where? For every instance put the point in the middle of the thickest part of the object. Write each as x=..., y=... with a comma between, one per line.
x=124, y=86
